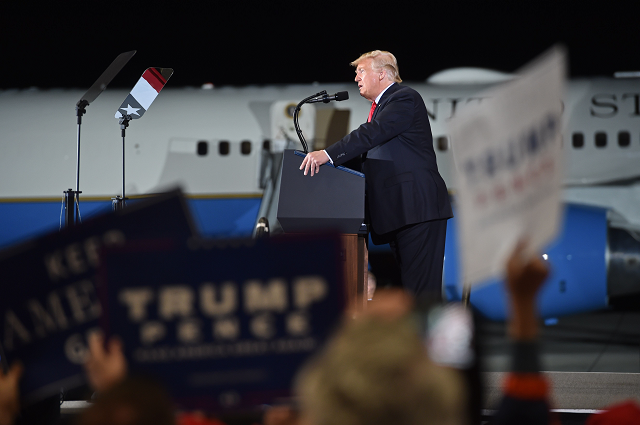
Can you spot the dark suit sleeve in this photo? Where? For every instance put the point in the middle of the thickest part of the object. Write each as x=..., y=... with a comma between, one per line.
x=395, y=118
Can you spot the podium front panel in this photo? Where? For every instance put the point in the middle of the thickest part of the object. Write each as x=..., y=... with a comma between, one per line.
x=332, y=199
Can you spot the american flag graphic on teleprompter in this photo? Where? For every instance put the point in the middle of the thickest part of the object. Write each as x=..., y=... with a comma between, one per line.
x=144, y=92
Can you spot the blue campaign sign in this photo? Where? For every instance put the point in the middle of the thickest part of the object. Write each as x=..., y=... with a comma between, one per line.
x=224, y=326
x=49, y=301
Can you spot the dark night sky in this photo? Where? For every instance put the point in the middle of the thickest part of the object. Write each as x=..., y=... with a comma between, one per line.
x=240, y=43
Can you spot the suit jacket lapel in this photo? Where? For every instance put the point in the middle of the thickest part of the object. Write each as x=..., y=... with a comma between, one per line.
x=385, y=98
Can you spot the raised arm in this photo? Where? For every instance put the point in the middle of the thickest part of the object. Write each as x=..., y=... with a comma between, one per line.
x=9, y=394
x=105, y=367
x=526, y=390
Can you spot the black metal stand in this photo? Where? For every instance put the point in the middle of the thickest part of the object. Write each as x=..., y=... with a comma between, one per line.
x=71, y=208
x=72, y=197
x=118, y=203
x=262, y=228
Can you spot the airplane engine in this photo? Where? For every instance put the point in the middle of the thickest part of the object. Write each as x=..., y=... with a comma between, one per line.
x=624, y=264
x=589, y=263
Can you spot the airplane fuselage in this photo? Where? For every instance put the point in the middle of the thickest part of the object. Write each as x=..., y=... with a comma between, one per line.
x=217, y=143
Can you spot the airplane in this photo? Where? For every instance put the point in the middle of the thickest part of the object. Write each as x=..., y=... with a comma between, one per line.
x=223, y=147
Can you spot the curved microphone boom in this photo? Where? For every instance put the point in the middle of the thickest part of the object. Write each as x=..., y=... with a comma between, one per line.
x=295, y=119
x=318, y=97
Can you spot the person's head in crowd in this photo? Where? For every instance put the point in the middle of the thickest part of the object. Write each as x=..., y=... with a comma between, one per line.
x=623, y=413
x=134, y=401
x=375, y=370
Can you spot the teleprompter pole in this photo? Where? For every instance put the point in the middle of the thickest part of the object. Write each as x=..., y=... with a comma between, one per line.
x=72, y=197
x=118, y=203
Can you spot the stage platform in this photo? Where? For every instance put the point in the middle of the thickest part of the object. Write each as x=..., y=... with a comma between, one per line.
x=575, y=391
x=592, y=360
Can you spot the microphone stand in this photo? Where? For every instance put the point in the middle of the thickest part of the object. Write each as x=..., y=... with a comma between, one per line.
x=295, y=119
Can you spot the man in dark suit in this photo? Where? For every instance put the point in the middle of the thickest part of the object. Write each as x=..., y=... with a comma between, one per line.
x=407, y=200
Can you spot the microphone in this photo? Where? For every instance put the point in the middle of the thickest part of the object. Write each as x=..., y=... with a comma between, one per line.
x=340, y=96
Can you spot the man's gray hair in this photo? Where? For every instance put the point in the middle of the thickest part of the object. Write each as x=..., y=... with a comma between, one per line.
x=382, y=60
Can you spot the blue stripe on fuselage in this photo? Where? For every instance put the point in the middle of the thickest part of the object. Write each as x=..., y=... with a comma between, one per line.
x=214, y=217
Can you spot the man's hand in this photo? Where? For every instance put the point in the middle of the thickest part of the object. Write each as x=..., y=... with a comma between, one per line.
x=9, y=395
x=525, y=277
x=313, y=161
x=105, y=367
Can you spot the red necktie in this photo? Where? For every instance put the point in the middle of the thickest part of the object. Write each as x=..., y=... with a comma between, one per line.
x=373, y=108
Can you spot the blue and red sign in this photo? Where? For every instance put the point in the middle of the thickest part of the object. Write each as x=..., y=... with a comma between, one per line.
x=225, y=326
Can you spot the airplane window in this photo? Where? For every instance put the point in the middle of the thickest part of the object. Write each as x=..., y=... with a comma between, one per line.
x=601, y=139
x=577, y=140
x=266, y=145
x=442, y=143
x=624, y=138
x=223, y=147
x=245, y=147
x=202, y=148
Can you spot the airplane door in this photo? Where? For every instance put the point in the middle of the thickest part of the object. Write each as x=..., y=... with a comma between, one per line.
x=282, y=128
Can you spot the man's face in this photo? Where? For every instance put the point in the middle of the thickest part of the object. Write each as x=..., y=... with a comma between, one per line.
x=369, y=81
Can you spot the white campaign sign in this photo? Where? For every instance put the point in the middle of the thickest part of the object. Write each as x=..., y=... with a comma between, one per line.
x=509, y=167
